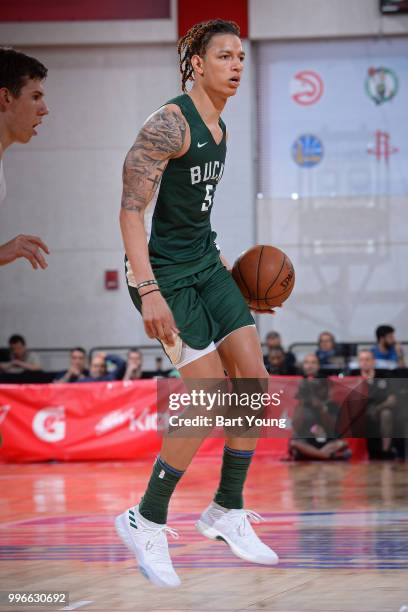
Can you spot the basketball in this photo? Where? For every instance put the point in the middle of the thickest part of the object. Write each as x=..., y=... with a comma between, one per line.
x=265, y=276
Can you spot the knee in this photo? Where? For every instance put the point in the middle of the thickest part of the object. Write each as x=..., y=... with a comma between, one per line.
x=253, y=370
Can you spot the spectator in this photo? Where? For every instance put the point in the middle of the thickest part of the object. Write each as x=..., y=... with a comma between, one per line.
x=159, y=372
x=388, y=353
x=381, y=402
x=276, y=365
x=21, y=359
x=99, y=368
x=134, y=366
x=77, y=367
x=315, y=419
x=327, y=352
x=273, y=340
x=311, y=366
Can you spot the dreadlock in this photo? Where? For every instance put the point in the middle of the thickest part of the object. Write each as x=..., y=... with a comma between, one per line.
x=195, y=42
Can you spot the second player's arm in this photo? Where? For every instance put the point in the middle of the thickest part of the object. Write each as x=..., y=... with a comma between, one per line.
x=161, y=138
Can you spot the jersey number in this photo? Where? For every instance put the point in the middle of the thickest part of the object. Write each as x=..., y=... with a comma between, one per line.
x=208, y=198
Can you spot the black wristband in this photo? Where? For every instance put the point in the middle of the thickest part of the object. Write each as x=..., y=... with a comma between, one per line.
x=147, y=292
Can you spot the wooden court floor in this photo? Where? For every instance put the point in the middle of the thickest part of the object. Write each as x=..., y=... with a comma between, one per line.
x=341, y=531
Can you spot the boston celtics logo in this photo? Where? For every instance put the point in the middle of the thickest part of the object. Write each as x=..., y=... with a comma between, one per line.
x=381, y=84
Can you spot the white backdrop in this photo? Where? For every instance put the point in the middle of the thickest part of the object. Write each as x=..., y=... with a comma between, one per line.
x=343, y=220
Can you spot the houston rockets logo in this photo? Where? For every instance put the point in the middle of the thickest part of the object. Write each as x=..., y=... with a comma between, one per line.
x=306, y=87
x=382, y=149
x=49, y=424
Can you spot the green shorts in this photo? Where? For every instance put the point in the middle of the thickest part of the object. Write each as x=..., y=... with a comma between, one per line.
x=207, y=306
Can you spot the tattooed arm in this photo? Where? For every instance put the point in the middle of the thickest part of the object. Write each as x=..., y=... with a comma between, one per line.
x=163, y=136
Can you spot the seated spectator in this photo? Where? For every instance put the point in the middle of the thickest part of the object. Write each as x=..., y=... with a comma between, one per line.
x=381, y=402
x=314, y=422
x=159, y=372
x=311, y=366
x=273, y=340
x=134, y=366
x=275, y=363
x=328, y=353
x=99, y=371
x=388, y=353
x=20, y=359
x=77, y=367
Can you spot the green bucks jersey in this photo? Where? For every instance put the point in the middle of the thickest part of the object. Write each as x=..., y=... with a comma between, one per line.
x=177, y=220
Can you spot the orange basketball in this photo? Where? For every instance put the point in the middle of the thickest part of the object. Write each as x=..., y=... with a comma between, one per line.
x=265, y=276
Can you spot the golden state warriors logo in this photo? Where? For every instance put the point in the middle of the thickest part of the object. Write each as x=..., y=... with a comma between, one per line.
x=381, y=84
x=307, y=151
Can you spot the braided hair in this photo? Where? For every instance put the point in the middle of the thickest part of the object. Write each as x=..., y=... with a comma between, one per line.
x=195, y=42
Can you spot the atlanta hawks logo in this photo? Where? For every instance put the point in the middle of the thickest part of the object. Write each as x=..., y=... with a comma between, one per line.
x=306, y=87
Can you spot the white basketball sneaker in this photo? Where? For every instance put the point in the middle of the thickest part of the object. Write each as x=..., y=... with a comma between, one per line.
x=148, y=542
x=234, y=527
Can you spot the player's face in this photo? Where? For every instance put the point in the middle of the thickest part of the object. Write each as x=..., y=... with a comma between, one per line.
x=223, y=63
x=27, y=111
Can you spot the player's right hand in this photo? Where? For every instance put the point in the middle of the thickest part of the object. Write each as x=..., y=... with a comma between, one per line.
x=25, y=246
x=158, y=318
x=270, y=311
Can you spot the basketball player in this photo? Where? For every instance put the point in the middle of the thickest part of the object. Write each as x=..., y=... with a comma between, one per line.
x=22, y=108
x=187, y=297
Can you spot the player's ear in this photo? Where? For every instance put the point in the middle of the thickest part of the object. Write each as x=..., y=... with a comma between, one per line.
x=197, y=64
x=5, y=98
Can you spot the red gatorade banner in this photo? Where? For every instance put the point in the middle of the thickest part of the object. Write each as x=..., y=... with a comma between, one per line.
x=78, y=421
x=105, y=421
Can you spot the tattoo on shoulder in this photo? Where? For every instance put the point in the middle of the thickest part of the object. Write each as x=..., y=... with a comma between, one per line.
x=161, y=136
x=163, y=132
